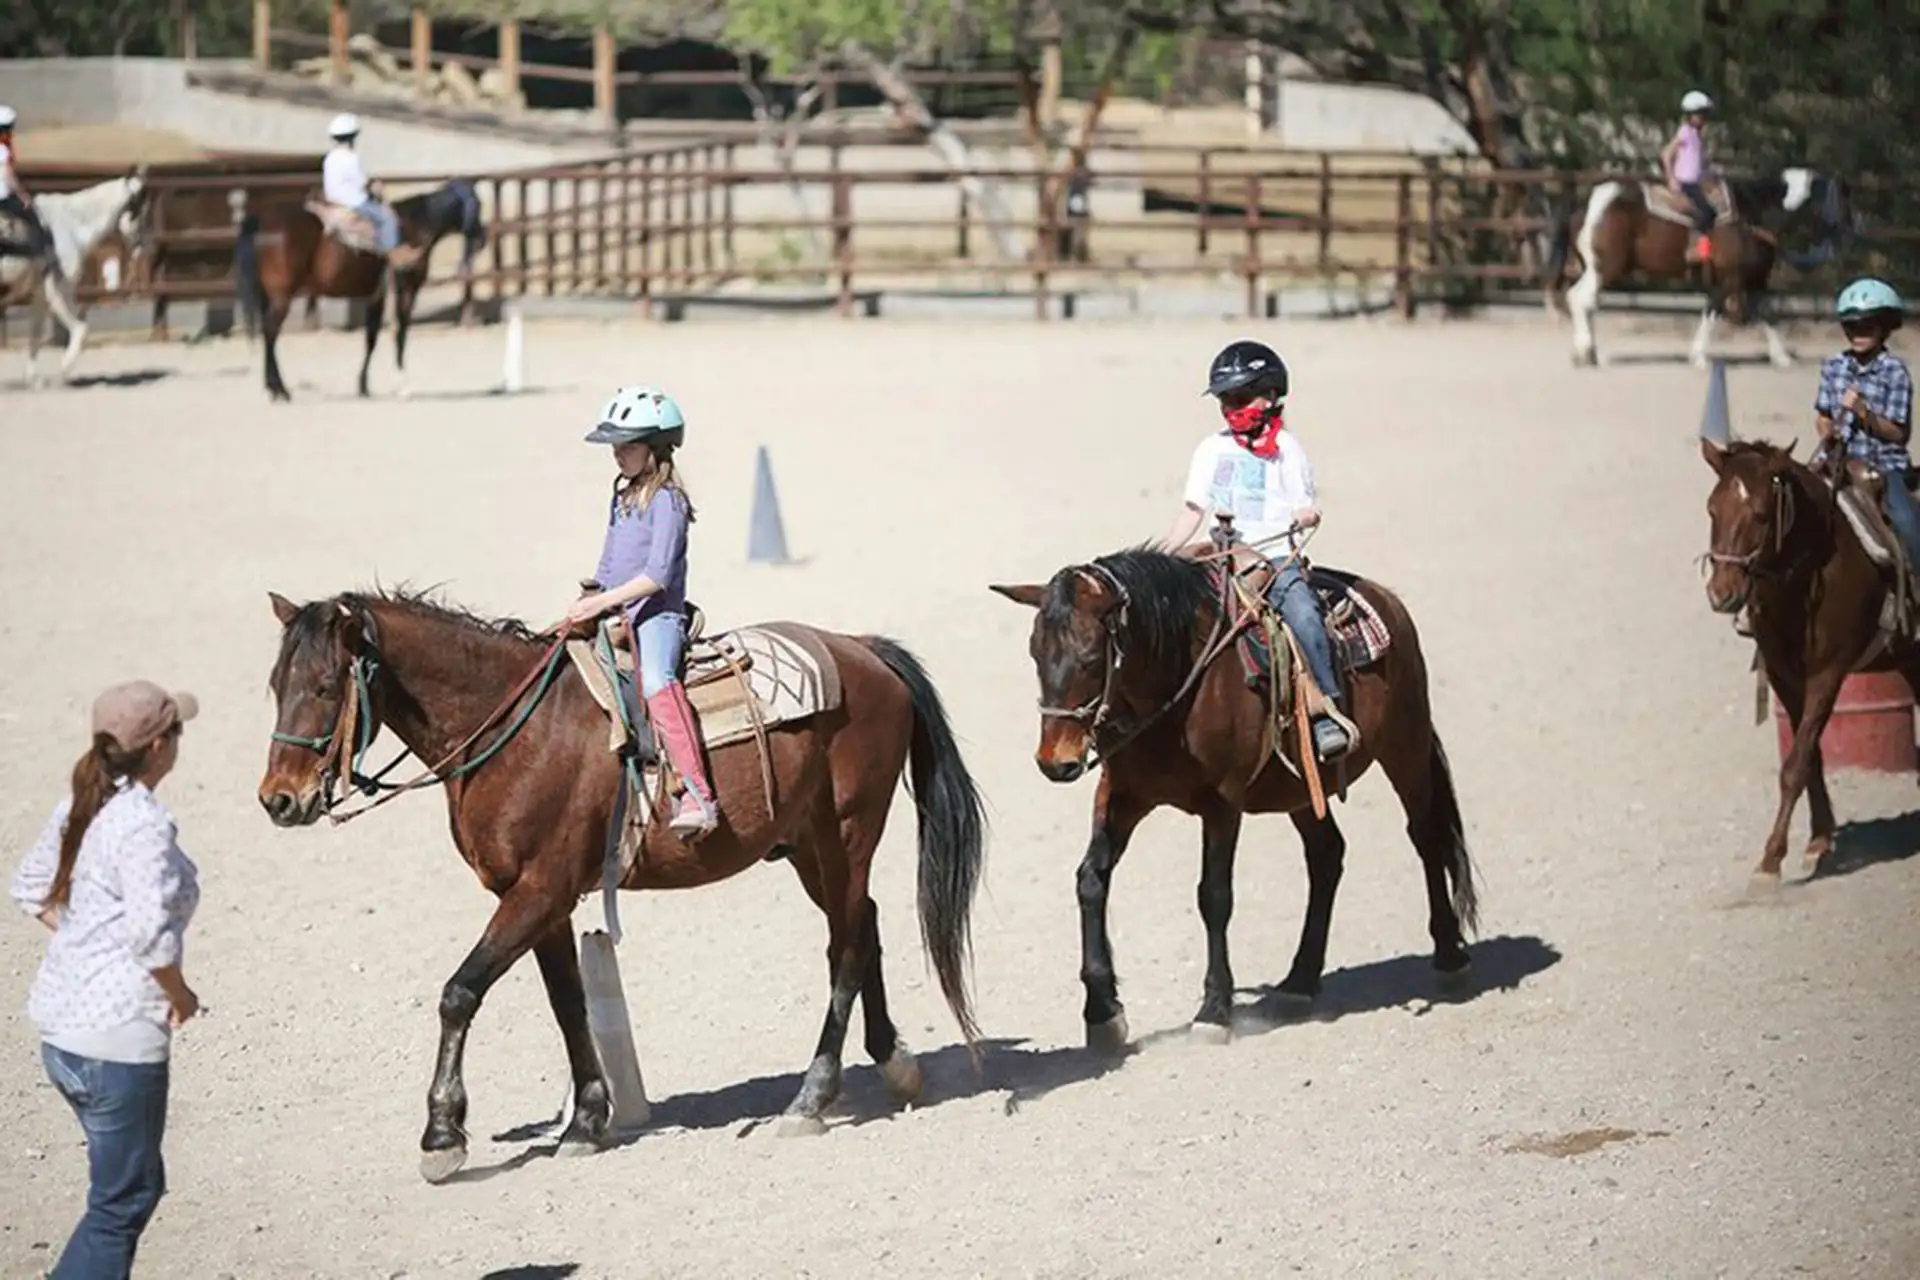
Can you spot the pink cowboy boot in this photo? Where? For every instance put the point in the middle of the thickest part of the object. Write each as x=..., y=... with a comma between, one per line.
x=673, y=723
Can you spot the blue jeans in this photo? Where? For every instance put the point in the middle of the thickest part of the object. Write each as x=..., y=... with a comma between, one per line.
x=1703, y=214
x=122, y=1109
x=659, y=641
x=386, y=223
x=1298, y=605
x=1903, y=515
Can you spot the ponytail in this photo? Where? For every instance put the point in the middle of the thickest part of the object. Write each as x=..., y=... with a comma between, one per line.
x=95, y=776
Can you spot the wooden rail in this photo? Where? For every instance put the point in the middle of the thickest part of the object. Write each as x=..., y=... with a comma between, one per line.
x=684, y=220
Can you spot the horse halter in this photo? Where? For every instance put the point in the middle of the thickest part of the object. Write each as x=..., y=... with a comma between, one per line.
x=1781, y=524
x=355, y=723
x=1095, y=712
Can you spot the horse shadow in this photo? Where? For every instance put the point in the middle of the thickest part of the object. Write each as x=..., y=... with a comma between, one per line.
x=1859, y=845
x=1626, y=358
x=1023, y=1072
x=535, y=1271
x=1409, y=981
x=87, y=381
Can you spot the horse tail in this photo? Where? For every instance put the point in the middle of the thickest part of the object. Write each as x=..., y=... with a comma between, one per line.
x=1443, y=813
x=1554, y=273
x=952, y=825
x=246, y=266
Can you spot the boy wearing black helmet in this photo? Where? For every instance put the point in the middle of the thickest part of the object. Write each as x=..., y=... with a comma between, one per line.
x=1257, y=472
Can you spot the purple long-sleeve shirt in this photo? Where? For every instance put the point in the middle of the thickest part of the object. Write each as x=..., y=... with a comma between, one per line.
x=650, y=540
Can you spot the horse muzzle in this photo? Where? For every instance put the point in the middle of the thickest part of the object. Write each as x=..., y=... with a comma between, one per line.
x=287, y=807
x=1062, y=756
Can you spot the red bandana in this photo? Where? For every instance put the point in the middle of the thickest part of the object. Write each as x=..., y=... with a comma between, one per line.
x=1255, y=432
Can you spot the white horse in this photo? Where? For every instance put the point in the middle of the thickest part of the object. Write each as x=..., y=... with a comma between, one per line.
x=77, y=221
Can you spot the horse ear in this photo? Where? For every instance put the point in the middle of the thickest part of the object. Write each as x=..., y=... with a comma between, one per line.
x=283, y=608
x=1029, y=594
x=1715, y=453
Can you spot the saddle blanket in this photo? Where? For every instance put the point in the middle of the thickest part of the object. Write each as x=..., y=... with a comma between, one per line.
x=1359, y=634
x=1671, y=206
x=770, y=674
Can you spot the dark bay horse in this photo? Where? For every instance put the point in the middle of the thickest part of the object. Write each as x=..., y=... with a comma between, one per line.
x=531, y=818
x=1113, y=643
x=1782, y=550
x=284, y=251
x=1622, y=235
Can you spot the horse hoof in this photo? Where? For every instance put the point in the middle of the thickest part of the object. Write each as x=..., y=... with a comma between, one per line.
x=794, y=1125
x=437, y=1166
x=1290, y=1003
x=574, y=1148
x=1455, y=981
x=1110, y=1036
x=1211, y=1033
x=1764, y=886
x=903, y=1076
x=1817, y=850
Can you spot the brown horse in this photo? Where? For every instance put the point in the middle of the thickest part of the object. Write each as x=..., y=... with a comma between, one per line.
x=1782, y=550
x=1125, y=650
x=1638, y=228
x=284, y=250
x=532, y=806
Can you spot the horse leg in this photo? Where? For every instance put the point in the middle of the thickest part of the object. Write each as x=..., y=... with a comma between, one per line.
x=1219, y=838
x=526, y=914
x=566, y=993
x=403, y=299
x=1114, y=820
x=1821, y=691
x=1583, y=300
x=1820, y=820
x=1777, y=352
x=1423, y=780
x=68, y=309
x=837, y=883
x=1702, y=337
x=1326, y=851
x=36, y=321
x=276, y=315
x=376, y=312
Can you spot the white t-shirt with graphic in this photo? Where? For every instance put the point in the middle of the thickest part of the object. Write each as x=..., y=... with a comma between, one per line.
x=6, y=158
x=1260, y=495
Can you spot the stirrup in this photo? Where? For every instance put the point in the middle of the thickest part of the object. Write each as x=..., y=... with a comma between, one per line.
x=1325, y=728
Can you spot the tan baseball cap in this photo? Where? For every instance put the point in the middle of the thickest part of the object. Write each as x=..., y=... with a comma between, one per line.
x=139, y=711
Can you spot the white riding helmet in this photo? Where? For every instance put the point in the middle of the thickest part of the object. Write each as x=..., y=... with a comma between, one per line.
x=344, y=125
x=1695, y=101
x=7, y=118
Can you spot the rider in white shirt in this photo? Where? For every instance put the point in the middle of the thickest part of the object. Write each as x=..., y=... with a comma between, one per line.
x=344, y=183
x=15, y=199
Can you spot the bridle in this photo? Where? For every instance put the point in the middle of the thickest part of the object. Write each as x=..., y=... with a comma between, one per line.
x=1750, y=564
x=1098, y=710
x=356, y=724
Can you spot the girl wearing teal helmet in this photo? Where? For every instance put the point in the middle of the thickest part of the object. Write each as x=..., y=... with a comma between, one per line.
x=1865, y=402
x=643, y=575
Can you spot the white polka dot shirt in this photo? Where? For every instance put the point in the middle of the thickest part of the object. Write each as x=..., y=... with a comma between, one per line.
x=134, y=891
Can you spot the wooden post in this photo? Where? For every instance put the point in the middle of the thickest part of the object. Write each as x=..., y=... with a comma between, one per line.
x=626, y=225
x=262, y=34
x=1326, y=210
x=422, y=53
x=726, y=208
x=709, y=157
x=1050, y=80
x=551, y=218
x=186, y=38
x=1403, y=248
x=338, y=23
x=843, y=239
x=646, y=236
x=499, y=250
x=603, y=60
x=1252, y=266
x=1206, y=198
x=510, y=59
x=963, y=250
x=1043, y=246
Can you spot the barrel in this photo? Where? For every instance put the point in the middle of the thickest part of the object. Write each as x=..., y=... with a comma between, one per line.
x=1871, y=727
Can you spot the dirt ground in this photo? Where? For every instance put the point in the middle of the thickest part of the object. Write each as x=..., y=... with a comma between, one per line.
x=1652, y=1077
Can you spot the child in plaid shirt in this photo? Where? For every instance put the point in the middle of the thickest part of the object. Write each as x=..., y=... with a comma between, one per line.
x=1865, y=402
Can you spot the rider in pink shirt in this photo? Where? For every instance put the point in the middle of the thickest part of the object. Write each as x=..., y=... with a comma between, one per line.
x=1685, y=162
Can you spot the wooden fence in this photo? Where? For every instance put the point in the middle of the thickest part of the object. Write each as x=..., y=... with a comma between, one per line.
x=678, y=222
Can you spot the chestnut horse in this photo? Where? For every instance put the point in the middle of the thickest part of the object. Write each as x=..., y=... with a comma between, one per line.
x=1621, y=237
x=1781, y=549
x=284, y=251
x=532, y=806
x=1119, y=645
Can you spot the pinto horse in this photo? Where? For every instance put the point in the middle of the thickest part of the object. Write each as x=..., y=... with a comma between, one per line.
x=1781, y=549
x=531, y=809
x=1125, y=650
x=285, y=250
x=76, y=221
x=1642, y=228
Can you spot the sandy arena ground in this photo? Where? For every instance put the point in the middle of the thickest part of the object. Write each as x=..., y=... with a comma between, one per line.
x=1756, y=1061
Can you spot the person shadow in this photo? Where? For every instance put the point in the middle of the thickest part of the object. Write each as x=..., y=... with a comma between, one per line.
x=1027, y=1073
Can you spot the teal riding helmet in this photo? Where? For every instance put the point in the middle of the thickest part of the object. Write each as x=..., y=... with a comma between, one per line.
x=639, y=413
x=1868, y=297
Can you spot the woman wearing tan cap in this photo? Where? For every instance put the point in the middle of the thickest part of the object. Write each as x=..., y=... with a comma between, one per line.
x=109, y=880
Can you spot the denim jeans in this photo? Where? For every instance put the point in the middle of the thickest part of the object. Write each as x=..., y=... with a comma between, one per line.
x=38, y=241
x=659, y=640
x=1903, y=515
x=1294, y=598
x=122, y=1109
x=1703, y=214
x=385, y=222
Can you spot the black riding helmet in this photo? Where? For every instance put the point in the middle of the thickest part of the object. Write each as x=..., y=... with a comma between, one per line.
x=1247, y=366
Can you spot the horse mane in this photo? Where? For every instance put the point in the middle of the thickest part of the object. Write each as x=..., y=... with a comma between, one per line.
x=1168, y=598
x=421, y=604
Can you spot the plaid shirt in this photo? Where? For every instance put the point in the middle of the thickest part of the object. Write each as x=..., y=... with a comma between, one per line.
x=1887, y=388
